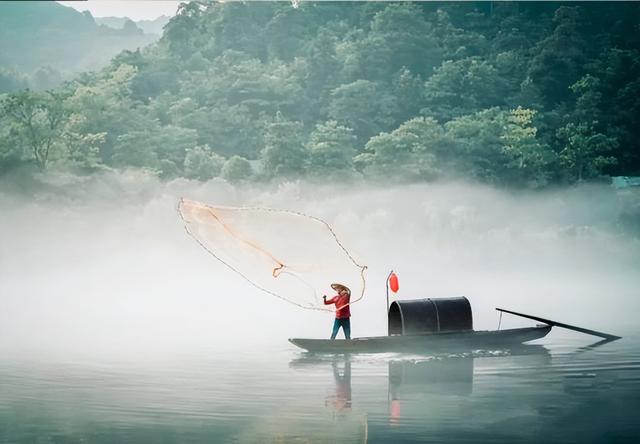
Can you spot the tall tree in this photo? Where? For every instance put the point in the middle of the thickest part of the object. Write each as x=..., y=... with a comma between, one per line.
x=364, y=106
x=413, y=151
x=283, y=154
x=585, y=152
x=399, y=37
x=38, y=119
x=331, y=148
x=558, y=59
x=529, y=159
x=237, y=169
x=463, y=87
x=203, y=164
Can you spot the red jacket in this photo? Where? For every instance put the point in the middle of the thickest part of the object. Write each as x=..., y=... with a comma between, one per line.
x=342, y=305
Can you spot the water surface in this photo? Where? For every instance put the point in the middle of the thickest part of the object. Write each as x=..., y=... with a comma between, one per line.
x=560, y=390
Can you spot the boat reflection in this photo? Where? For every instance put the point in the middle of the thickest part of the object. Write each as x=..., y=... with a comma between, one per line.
x=411, y=380
x=383, y=393
x=416, y=386
x=448, y=376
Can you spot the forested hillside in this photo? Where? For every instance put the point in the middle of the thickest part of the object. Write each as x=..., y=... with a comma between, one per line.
x=512, y=94
x=41, y=43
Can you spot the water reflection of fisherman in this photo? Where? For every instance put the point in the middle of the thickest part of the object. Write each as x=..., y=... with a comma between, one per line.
x=342, y=398
x=343, y=313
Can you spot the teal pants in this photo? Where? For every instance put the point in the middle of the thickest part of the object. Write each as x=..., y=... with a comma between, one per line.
x=346, y=327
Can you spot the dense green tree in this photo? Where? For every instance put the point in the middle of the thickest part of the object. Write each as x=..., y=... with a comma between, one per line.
x=231, y=129
x=203, y=164
x=558, y=58
x=156, y=73
x=461, y=87
x=83, y=149
x=283, y=154
x=413, y=151
x=589, y=98
x=38, y=120
x=236, y=26
x=363, y=106
x=529, y=158
x=181, y=31
x=135, y=149
x=477, y=145
x=172, y=143
x=612, y=98
x=514, y=94
x=237, y=169
x=321, y=75
x=288, y=30
x=399, y=36
x=585, y=152
x=408, y=90
x=147, y=147
x=457, y=43
x=331, y=148
x=11, y=155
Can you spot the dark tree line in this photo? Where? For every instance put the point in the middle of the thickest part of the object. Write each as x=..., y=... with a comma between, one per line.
x=514, y=94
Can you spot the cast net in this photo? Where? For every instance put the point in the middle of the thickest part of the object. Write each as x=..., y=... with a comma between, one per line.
x=286, y=254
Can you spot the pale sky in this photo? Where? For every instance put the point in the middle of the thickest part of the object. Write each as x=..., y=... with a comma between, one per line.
x=134, y=9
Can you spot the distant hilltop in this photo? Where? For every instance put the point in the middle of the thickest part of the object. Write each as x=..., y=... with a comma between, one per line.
x=52, y=42
x=147, y=26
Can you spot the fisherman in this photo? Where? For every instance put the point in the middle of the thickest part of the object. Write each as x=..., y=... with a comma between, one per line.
x=342, y=310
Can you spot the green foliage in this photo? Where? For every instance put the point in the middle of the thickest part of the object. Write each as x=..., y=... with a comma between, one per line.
x=463, y=86
x=203, y=164
x=147, y=147
x=331, y=148
x=457, y=43
x=559, y=58
x=83, y=148
x=11, y=156
x=179, y=32
x=407, y=153
x=399, y=37
x=477, y=150
x=236, y=169
x=135, y=149
x=528, y=157
x=363, y=106
x=584, y=155
x=37, y=120
x=408, y=90
x=510, y=94
x=283, y=154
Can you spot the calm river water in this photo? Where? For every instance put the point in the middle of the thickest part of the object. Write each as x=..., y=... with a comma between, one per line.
x=559, y=391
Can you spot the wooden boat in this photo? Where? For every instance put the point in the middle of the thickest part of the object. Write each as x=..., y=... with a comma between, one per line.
x=444, y=341
x=437, y=325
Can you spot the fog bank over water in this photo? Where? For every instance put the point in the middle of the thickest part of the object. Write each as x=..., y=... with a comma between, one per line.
x=106, y=266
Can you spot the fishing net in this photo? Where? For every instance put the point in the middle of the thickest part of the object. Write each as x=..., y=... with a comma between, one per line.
x=287, y=254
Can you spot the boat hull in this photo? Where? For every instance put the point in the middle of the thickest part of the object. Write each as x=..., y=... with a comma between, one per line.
x=432, y=342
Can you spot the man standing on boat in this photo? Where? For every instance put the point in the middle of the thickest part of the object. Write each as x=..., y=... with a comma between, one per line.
x=342, y=310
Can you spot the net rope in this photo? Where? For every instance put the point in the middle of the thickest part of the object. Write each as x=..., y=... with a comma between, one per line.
x=281, y=266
